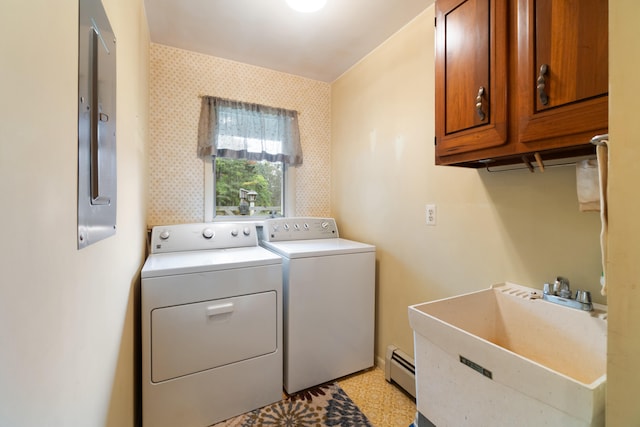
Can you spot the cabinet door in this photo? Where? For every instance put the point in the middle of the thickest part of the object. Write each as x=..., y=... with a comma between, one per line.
x=564, y=65
x=471, y=75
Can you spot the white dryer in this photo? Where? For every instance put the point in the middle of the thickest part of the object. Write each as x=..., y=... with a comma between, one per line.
x=329, y=300
x=211, y=317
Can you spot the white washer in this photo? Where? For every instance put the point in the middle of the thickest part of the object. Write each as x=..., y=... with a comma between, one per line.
x=329, y=300
x=211, y=317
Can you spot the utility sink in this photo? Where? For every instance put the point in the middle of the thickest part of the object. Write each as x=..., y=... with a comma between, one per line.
x=503, y=356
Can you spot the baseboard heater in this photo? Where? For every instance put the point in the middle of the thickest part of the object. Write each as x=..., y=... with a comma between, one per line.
x=400, y=369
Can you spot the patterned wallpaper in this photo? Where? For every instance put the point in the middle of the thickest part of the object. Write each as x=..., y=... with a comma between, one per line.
x=177, y=79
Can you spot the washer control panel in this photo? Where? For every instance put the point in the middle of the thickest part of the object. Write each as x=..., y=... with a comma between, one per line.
x=202, y=236
x=298, y=228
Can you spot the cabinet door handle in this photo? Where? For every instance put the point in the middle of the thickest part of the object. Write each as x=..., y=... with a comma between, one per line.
x=544, y=99
x=479, y=111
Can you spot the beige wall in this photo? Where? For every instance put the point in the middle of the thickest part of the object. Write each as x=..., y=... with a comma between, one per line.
x=491, y=227
x=66, y=316
x=178, y=78
x=623, y=374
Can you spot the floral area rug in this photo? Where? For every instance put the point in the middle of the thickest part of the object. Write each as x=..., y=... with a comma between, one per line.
x=325, y=405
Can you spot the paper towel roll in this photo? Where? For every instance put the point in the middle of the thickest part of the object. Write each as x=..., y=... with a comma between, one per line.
x=588, y=185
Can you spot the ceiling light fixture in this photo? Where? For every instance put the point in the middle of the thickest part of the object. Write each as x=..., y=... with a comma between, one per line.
x=306, y=6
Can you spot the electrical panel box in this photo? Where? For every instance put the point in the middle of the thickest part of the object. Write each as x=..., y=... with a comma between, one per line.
x=97, y=184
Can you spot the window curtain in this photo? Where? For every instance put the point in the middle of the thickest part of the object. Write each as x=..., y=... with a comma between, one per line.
x=241, y=130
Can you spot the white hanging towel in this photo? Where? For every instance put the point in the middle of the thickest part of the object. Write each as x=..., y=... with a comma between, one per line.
x=591, y=183
x=602, y=153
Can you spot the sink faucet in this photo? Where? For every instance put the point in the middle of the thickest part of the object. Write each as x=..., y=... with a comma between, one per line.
x=560, y=293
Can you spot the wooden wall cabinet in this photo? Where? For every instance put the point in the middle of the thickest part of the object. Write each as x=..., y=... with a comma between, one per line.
x=519, y=77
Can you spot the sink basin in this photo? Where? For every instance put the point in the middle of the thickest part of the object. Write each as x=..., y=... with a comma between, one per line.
x=502, y=356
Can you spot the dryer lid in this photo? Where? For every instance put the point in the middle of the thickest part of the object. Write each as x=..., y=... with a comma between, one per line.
x=172, y=263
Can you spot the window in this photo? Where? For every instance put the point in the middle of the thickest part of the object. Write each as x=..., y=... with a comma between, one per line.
x=248, y=187
x=247, y=149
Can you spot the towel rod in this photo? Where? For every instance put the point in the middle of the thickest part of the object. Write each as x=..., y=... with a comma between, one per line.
x=600, y=139
x=596, y=140
x=532, y=167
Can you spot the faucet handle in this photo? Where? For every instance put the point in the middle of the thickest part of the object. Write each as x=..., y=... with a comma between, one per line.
x=561, y=287
x=583, y=296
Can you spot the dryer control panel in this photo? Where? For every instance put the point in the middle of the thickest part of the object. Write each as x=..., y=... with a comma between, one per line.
x=298, y=228
x=202, y=236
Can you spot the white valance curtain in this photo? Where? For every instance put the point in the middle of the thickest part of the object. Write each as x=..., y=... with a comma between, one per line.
x=241, y=130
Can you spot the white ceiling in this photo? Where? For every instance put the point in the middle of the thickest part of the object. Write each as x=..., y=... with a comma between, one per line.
x=267, y=33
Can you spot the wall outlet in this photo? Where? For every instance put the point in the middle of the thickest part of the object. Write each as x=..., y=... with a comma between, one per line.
x=430, y=211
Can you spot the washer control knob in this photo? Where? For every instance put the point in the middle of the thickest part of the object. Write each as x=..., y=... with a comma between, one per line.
x=325, y=224
x=246, y=231
x=207, y=233
x=296, y=226
x=164, y=234
x=286, y=226
x=306, y=226
x=234, y=232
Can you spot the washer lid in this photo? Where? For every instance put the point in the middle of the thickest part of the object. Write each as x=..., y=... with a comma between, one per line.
x=317, y=247
x=172, y=263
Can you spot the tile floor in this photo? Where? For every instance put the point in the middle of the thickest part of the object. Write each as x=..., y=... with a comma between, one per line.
x=383, y=403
